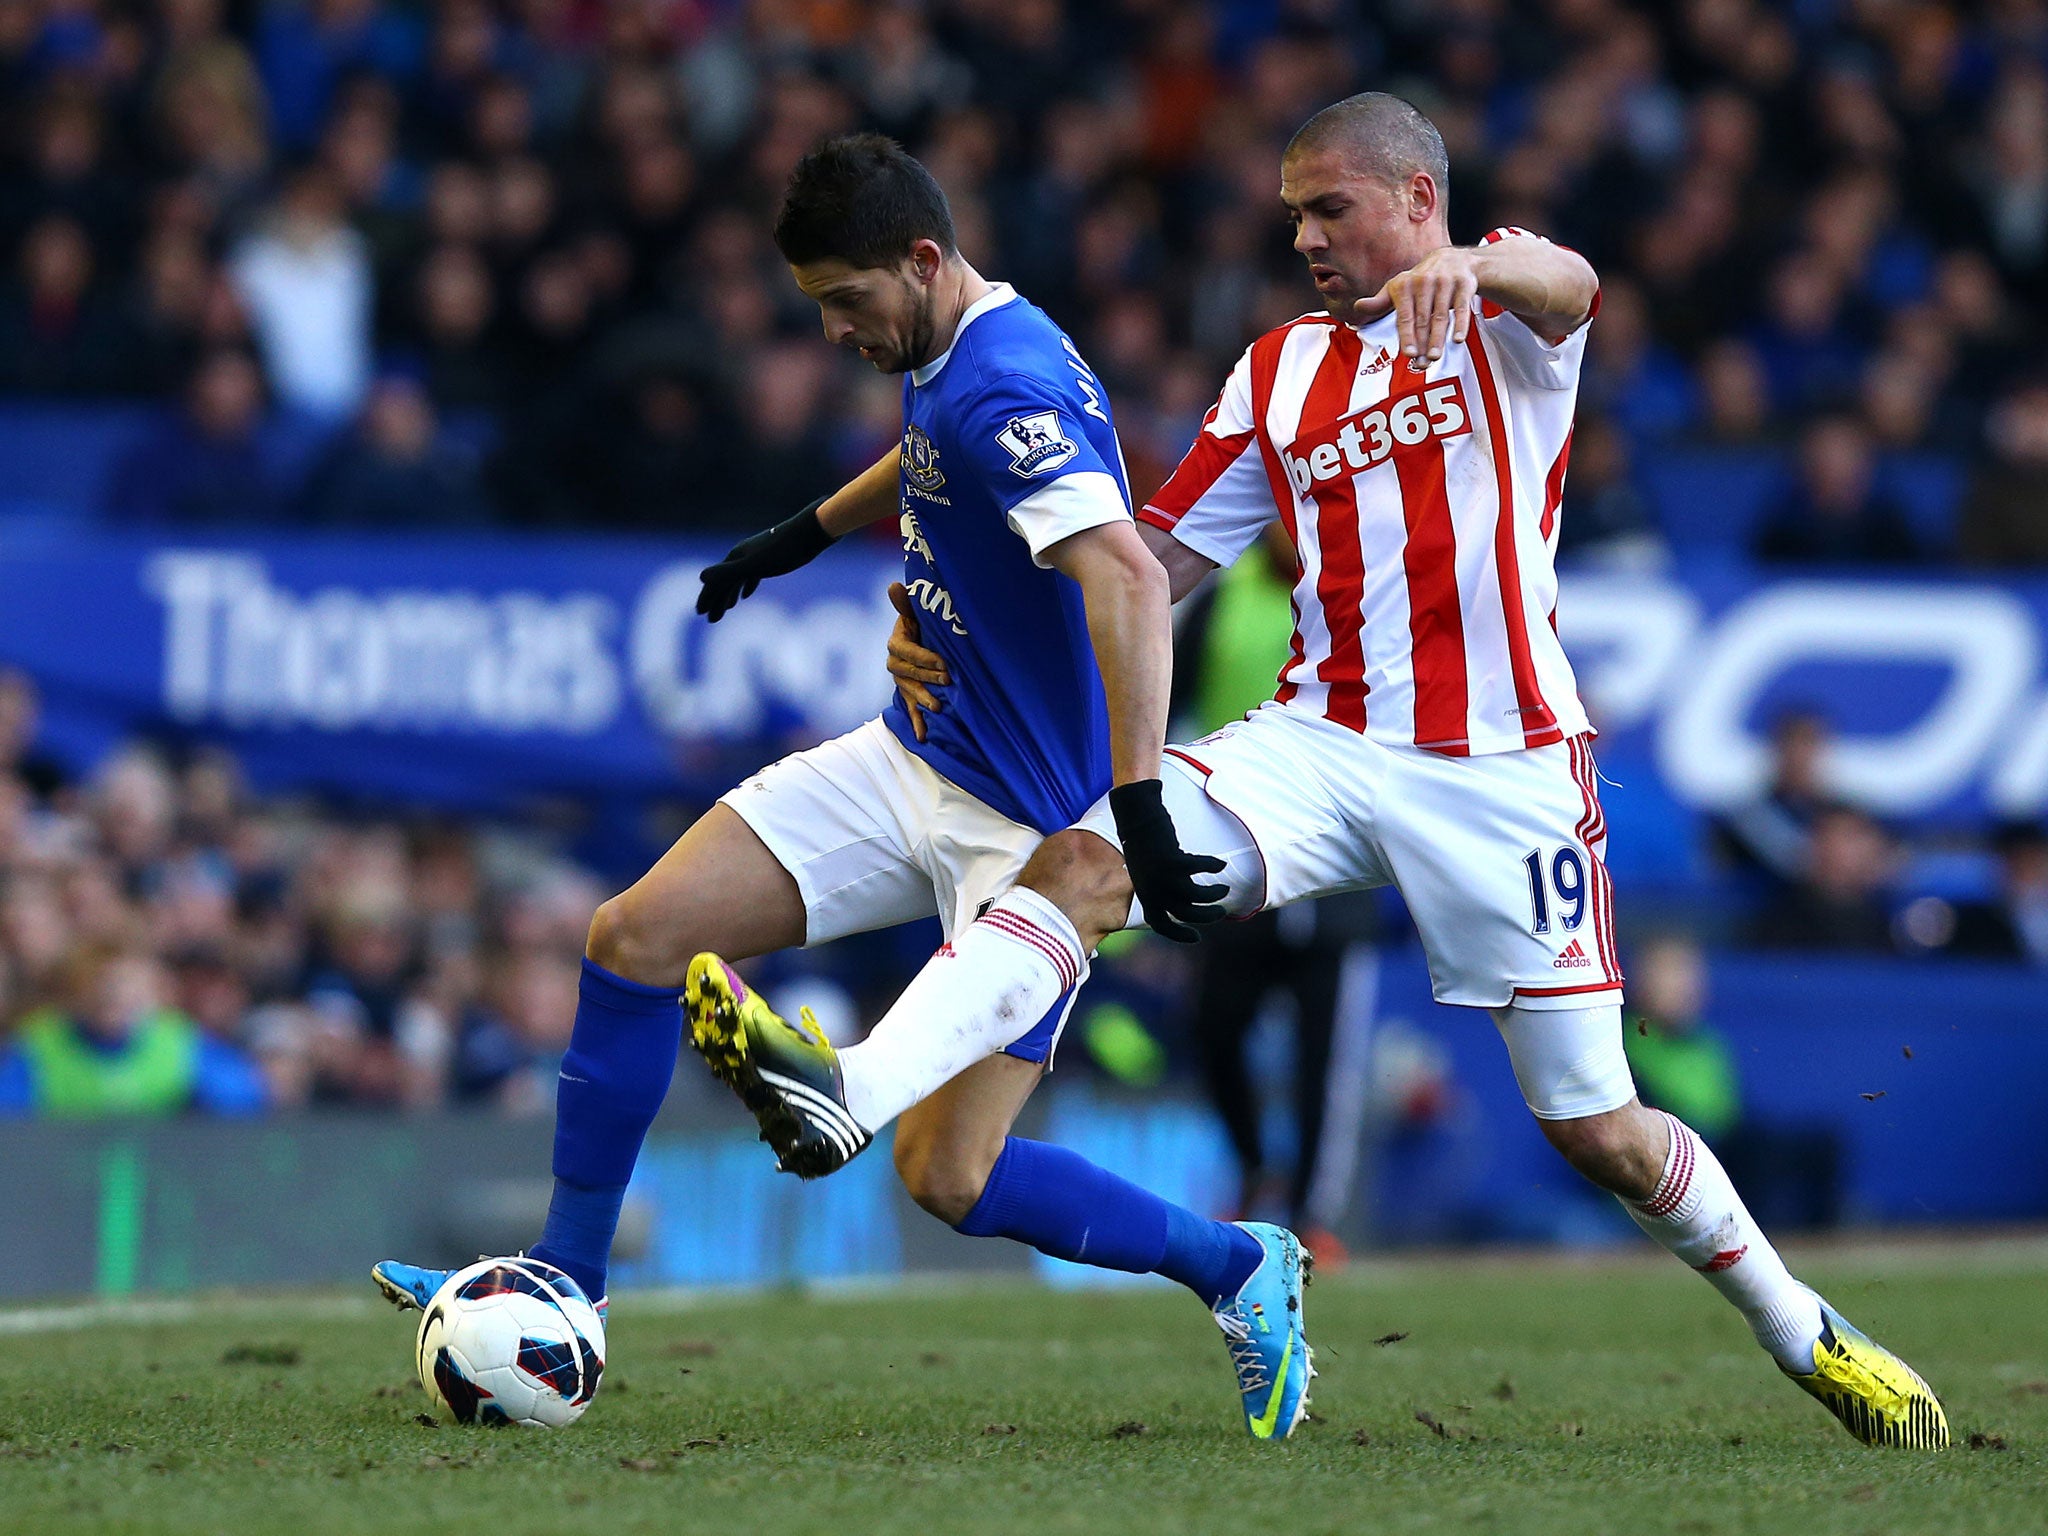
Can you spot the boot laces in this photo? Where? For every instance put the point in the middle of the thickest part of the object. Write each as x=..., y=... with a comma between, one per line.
x=1245, y=1354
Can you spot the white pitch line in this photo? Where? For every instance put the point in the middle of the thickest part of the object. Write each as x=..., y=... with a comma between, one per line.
x=1874, y=1254
x=176, y=1309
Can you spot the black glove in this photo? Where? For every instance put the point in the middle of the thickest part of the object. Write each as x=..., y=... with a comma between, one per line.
x=775, y=552
x=1162, y=872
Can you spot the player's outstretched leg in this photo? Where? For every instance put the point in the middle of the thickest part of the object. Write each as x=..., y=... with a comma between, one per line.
x=992, y=984
x=1248, y=1274
x=958, y=1161
x=719, y=885
x=1694, y=1211
x=1675, y=1189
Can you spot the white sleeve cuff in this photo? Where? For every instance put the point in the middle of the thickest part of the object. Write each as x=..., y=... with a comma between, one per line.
x=1072, y=504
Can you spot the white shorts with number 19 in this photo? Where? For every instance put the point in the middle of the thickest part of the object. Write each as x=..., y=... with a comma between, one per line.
x=1497, y=856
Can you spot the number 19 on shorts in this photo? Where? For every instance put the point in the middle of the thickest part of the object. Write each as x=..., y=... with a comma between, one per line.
x=1565, y=873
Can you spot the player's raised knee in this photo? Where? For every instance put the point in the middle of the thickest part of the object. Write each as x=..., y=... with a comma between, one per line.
x=1614, y=1149
x=625, y=941
x=943, y=1174
x=1084, y=877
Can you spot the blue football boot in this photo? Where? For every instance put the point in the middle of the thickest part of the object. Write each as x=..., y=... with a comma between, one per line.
x=408, y=1287
x=1262, y=1328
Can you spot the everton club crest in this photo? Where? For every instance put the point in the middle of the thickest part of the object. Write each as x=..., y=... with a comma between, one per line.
x=921, y=460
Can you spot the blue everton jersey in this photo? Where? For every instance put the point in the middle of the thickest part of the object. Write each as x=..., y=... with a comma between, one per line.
x=1007, y=449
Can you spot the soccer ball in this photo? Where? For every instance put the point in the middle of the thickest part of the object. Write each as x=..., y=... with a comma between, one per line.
x=511, y=1341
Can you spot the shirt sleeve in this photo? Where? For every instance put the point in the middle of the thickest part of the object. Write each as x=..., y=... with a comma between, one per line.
x=1040, y=465
x=1542, y=362
x=1220, y=497
x=228, y=1082
x=17, y=1085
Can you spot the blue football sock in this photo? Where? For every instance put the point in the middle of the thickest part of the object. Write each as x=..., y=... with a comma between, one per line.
x=1066, y=1207
x=578, y=1236
x=621, y=1056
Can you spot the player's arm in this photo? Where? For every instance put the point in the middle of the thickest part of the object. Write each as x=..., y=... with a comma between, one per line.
x=918, y=670
x=870, y=496
x=797, y=541
x=1547, y=287
x=1185, y=568
x=1130, y=626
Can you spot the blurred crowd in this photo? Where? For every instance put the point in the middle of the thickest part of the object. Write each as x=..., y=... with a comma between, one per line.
x=385, y=264
x=170, y=942
x=1810, y=869
x=167, y=942
x=477, y=260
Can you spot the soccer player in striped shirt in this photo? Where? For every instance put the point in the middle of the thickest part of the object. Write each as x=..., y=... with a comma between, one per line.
x=1412, y=436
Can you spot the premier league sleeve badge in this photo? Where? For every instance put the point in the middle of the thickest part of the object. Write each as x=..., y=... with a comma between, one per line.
x=1036, y=443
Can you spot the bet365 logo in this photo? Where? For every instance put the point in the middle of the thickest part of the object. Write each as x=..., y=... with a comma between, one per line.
x=1367, y=438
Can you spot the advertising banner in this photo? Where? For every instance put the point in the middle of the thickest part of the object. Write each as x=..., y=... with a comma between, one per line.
x=481, y=671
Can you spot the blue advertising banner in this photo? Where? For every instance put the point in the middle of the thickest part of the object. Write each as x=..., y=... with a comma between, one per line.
x=467, y=671
x=1934, y=687
x=483, y=670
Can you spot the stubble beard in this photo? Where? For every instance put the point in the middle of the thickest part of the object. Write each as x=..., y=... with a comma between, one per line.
x=924, y=330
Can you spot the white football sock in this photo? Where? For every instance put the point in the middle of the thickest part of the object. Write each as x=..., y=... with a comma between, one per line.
x=986, y=989
x=1696, y=1213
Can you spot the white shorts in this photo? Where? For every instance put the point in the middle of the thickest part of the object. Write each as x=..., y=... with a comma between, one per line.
x=873, y=837
x=1497, y=856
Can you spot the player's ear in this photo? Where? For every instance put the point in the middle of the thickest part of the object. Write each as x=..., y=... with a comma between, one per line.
x=1423, y=197
x=927, y=259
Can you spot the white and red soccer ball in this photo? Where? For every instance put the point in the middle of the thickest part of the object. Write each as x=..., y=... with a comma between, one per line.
x=511, y=1341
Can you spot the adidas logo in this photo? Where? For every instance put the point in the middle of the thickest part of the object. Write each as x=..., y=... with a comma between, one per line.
x=1726, y=1259
x=1573, y=957
x=1378, y=361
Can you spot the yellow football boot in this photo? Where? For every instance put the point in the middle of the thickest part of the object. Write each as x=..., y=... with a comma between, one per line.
x=1879, y=1398
x=786, y=1074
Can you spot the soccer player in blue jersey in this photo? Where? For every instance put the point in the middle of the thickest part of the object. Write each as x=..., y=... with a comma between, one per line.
x=1024, y=565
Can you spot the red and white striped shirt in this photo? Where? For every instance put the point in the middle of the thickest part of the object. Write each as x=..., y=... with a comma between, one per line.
x=1423, y=509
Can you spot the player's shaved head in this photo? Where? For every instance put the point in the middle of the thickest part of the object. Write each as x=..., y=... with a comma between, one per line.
x=1364, y=182
x=1378, y=135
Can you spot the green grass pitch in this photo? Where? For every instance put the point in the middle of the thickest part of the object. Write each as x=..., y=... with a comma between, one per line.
x=1539, y=1397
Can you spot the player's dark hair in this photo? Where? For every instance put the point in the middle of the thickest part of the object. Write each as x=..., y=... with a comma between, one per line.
x=862, y=199
x=1384, y=135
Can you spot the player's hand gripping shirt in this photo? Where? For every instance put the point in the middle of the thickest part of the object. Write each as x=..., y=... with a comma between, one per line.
x=1423, y=509
x=1008, y=448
